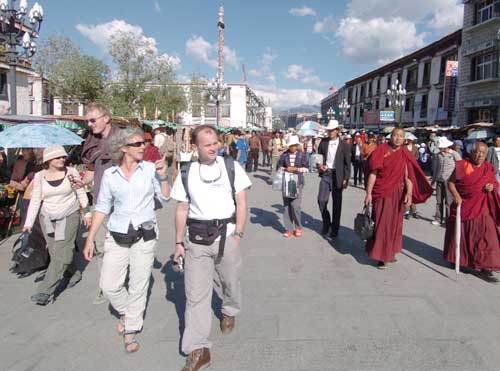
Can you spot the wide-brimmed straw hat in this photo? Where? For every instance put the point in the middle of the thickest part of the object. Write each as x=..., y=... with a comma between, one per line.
x=52, y=152
x=333, y=125
x=292, y=141
x=444, y=142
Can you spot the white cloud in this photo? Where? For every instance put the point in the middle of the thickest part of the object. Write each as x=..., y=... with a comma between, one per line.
x=265, y=70
x=378, y=39
x=286, y=98
x=157, y=7
x=306, y=75
x=302, y=12
x=101, y=34
x=448, y=16
x=326, y=25
x=203, y=51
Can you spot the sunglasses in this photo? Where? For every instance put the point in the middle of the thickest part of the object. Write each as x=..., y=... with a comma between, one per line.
x=93, y=121
x=136, y=144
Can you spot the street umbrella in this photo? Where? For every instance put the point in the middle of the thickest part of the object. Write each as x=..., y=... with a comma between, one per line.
x=309, y=125
x=479, y=134
x=307, y=133
x=458, y=231
x=37, y=136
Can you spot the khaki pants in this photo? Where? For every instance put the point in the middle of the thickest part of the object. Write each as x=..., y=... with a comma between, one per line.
x=274, y=164
x=198, y=279
x=61, y=253
x=138, y=260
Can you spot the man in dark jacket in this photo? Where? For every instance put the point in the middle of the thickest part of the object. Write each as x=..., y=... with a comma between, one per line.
x=334, y=172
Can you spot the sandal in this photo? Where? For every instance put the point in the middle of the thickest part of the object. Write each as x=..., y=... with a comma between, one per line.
x=127, y=344
x=287, y=234
x=298, y=233
x=120, y=328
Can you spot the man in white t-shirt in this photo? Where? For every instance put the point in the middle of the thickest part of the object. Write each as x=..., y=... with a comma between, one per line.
x=209, y=201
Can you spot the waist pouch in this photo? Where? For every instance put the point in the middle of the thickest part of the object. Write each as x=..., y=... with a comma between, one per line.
x=133, y=235
x=205, y=232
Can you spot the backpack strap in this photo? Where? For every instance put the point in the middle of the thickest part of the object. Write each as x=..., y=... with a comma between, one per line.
x=229, y=162
x=184, y=177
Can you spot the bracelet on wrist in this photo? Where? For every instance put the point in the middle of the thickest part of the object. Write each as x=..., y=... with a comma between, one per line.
x=180, y=243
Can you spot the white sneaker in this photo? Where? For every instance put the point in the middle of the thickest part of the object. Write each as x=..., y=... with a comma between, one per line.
x=435, y=222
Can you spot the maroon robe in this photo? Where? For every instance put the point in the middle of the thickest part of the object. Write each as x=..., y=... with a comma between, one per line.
x=388, y=198
x=480, y=216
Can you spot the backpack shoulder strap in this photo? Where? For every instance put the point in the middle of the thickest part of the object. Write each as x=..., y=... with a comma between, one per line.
x=184, y=177
x=229, y=162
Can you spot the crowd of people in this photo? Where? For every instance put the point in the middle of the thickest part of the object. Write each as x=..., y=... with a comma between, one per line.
x=127, y=178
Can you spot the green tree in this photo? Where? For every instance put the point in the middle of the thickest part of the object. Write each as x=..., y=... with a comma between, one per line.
x=143, y=79
x=70, y=74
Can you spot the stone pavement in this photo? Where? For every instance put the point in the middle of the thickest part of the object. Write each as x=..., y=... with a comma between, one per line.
x=309, y=304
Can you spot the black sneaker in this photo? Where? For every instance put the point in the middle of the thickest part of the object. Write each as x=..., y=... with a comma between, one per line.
x=381, y=265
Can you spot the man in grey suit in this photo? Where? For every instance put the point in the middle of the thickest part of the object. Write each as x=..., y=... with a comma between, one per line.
x=334, y=172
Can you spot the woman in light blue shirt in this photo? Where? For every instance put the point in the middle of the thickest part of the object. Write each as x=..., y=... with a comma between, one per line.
x=127, y=194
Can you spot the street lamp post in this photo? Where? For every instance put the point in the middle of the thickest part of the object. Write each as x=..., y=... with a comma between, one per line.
x=344, y=107
x=18, y=37
x=397, y=96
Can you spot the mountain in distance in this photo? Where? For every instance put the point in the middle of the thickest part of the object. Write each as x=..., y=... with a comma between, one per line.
x=299, y=109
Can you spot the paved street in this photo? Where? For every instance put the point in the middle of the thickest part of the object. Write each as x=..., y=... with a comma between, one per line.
x=309, y=304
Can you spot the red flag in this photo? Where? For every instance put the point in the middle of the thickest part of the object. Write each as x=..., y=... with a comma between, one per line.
x=333, y=89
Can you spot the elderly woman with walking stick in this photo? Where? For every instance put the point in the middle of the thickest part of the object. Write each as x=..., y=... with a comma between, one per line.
x=127, y=195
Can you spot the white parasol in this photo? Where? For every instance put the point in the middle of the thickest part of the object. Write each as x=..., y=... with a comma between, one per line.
x=458, y=229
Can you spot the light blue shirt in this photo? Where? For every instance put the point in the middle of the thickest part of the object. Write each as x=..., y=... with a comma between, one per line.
x=129, y=201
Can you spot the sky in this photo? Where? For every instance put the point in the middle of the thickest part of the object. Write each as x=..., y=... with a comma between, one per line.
x=293, y=51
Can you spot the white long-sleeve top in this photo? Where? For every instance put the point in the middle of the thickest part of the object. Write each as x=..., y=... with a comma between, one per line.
x=60, y=200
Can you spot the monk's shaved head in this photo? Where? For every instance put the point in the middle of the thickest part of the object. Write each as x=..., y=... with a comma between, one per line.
x=480, y=145
x=479, y=153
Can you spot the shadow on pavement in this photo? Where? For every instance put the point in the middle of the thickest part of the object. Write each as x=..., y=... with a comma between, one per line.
x=266, y=218
x=264, y=178
x=348, y=243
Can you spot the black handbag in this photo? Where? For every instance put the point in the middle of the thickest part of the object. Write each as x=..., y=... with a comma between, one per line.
x=363, y=225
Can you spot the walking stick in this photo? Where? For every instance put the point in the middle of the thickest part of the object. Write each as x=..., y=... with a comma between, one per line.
x=458, y=231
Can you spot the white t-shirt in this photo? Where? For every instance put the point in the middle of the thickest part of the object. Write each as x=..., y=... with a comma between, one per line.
x=210, y=201
x=333, y=145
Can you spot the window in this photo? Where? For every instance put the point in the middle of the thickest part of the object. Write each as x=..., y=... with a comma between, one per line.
x=482, y=115
x=427, y=73
x=377, y=104
x=444, y=59
x=361, y=113
x=486, y=10
x=378, y=85
x=409, y=104
x=362, y=93
x=386, y=102
x=484, y=67
x=349, y=96
x=423, y=106
x=389, y=81
x=370, y=89
x=399, y=78
x=3, y=85
x=412, y=78
x=32, y=108
x=441, y=99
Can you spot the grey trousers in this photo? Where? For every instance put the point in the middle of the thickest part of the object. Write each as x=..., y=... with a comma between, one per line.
x=274, y=164
x=292, y=214
x=444, y=200
x=199, y=272
x=61, y=253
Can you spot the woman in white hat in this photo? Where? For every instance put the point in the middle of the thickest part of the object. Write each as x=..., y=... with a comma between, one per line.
x=59, y=216
x=295, y=162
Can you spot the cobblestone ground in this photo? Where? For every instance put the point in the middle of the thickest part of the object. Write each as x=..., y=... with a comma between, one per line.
x=309, y=304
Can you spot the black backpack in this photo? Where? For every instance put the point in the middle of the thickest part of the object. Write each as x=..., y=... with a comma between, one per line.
x=29, y=253
x=228, y=162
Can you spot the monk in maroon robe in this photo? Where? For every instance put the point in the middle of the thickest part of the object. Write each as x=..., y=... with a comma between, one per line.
x=395, y=180
x=474, y=186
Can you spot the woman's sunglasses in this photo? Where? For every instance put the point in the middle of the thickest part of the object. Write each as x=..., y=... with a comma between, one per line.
x=136, y=144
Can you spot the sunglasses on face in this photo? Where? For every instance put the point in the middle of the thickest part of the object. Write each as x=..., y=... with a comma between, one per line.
x=93, y=121
x=136, y=144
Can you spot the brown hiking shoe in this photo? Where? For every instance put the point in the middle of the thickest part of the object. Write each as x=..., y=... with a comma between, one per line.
x=197, y=360
x=226, y=324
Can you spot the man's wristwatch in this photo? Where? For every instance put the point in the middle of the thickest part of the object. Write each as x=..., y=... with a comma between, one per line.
x=239, y=234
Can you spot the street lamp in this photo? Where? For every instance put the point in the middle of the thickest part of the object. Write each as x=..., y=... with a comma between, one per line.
x=397, y=96
x=330, y=113
x=217, y=90
x=344, y=107
x=18, y=37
